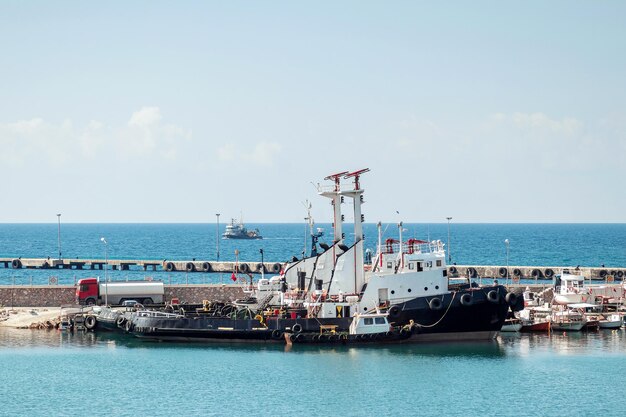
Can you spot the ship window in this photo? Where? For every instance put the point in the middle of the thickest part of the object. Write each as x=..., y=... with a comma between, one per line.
x=411, y=265
x=409, y=290
x=369, y=321
x=379, y=320
x=389, y=265
x=393, y=291
x=429, y=264
x=436, y=287
x=445, y=273
x=419, y=267
x=425, y=288
x=438, y=262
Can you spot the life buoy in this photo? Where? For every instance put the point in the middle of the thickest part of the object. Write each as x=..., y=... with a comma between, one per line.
x=276, y=268
x=259, y=318
x=206, y=266
x=536, y=273
x=435, y=304
x=244, y=268
x=517, y=272
x=548, y=273
x=90, y=322
x=503, y=272
x=466, y=300
x=120, y=321
x=511, y=299
x=453, y=270
x=493, y=296
x=190, y=267
x=169, y=267
x=296, y=328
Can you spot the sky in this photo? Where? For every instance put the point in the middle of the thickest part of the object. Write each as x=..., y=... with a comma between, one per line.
x=150, y=111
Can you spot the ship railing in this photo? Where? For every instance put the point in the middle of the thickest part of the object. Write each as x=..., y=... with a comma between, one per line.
x=326, y=188
x=431, y=247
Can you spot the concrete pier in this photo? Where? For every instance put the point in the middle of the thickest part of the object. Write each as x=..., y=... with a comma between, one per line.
x=472, y=271
x=513, y=272
x=151, y=264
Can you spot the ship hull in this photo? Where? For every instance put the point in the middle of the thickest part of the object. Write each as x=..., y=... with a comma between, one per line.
x=481, y=319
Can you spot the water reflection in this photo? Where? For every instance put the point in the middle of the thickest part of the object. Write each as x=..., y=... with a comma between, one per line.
x=514, y=344
x=565, y=343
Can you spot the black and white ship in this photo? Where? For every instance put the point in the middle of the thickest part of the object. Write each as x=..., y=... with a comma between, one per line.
x=404, y=295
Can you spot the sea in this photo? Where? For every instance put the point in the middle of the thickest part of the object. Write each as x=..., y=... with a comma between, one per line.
x=50, y=373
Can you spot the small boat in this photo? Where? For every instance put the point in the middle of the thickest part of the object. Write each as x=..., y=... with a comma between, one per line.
x=237, y=230
x=611, y=321
x=567, y=320
x=512, y=325
x=535, y=319
x=569, y=288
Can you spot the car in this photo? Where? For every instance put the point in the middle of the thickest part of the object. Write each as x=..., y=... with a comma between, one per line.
x=130, y=303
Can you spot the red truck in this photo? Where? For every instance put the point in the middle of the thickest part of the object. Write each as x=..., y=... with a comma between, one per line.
x=90, y=291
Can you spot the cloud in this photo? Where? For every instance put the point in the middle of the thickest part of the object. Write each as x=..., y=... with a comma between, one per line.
x=145, y=117
x=262, y=154
x=143, y=136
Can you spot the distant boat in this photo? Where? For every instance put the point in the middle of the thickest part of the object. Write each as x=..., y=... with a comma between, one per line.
x=237, y=230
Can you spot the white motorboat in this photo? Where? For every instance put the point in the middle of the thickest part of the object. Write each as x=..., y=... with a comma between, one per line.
x=611, y=321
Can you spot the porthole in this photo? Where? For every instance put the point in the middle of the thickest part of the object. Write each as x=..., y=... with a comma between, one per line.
x=436, y=287
x=425, y=288
x=393, y=291
x=409, y=290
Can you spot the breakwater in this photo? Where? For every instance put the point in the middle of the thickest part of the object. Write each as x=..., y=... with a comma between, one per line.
x=192, y=265
x=472, y=271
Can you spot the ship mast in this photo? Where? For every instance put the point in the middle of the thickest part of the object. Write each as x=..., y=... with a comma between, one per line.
x=357, y=195
x=335, y=196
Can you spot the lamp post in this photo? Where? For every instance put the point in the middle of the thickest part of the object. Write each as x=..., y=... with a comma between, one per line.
x=217, y=235
x=506, y=243
x=59, y=234
x=262, y=264
x=449, y=252
x=106, y=279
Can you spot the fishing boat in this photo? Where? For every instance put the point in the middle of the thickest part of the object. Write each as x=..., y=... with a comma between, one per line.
x=570, y=288
x=568, y=319
x=406, y=282
x=236, y=230
x=535, y=319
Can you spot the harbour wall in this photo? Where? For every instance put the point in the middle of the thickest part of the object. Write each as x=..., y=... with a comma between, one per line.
x=190, y=266
x=58, y=295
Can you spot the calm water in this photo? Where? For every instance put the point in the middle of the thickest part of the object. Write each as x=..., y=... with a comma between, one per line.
x=54, y=373
x=530, y=244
